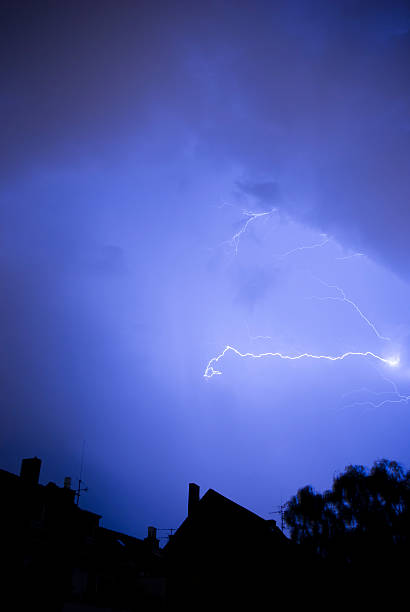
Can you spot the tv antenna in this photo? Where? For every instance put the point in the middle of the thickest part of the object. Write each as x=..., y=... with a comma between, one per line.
x=281, y=511
x=168, y=535
x=80, y=488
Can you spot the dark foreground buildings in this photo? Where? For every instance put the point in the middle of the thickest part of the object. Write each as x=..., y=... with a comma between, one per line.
x=57, y=557
x=225, y=556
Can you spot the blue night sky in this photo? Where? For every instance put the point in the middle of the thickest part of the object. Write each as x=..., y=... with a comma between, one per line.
x=181, y=177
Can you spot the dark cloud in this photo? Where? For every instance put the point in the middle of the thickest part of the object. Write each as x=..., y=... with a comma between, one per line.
x=316, y=99
x=313, y=97
x=267, y=193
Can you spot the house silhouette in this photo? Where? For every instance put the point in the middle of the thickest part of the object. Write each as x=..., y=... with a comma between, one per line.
x=57, y=557
x=225, y=555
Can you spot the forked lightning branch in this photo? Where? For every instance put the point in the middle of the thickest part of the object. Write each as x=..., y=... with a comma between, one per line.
x=213, y=366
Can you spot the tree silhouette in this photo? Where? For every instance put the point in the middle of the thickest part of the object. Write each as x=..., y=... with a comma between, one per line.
x=362, y=522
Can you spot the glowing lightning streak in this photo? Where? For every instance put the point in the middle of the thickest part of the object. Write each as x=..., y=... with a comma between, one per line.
x=234, y=241
x=304, y=248
x=210, y=370
x=401, y=399
x=257, y=337
x=343, y=298
x=260, y=338
x=398, y=398
x=350, y=256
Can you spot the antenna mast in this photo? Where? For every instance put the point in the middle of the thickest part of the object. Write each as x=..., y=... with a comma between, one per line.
x=281, y=511
x=81, y=489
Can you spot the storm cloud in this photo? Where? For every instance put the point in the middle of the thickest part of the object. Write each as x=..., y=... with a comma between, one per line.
x=136, y=136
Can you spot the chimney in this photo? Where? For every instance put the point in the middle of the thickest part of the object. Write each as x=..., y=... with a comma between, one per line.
x=193, y=497
x=30, y=470
x=151, y=539
x=67, y=482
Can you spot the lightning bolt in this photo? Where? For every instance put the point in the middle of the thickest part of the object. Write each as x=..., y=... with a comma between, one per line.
x=210, y=370
x=398, y=397
x=306, y=247
x=342, y=297
x=260, y=338
x=350, y=256
x=224, y=205
x=256, y=337
x=251, y=216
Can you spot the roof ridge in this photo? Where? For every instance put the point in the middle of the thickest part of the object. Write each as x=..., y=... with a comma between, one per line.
x=230, y=501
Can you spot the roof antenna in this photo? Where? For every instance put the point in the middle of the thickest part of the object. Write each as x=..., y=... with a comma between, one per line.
x=81, y=489
x=281, y=511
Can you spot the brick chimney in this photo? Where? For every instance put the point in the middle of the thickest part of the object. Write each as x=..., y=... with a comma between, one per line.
x=151, y=539
x=30, y=470
x=193, y=497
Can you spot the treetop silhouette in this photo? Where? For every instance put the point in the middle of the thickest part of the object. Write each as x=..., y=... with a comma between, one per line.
x=362, y=518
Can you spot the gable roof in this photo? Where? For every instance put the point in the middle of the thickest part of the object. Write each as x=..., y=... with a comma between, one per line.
x=216, y=517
